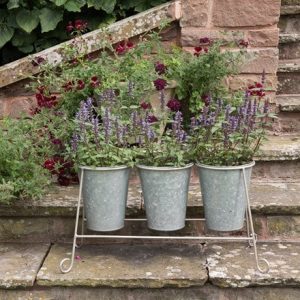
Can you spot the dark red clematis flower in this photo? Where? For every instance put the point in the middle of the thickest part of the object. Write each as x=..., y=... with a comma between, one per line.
x=70, y=27
x=94, y=82
x=80, y=84
x=174, y=105
x=123, y=46
x=160, y=84
x=243, y=43
x=145, y=105
x=152, y=119
x=258, y=85
x=56, y=141
x=160, y=68
x=49, y=164
x=205, y=40
x=80, y=25
x=37, y=61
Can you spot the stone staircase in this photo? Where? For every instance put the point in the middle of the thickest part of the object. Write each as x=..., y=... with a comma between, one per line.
x=35, y=236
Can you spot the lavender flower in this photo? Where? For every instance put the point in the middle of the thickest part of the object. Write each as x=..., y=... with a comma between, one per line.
x=119, y=131
x=107, y=125
x=108, y=95
x=75, y=141
x=95, y=123
x=266, y=107
x=227, y=111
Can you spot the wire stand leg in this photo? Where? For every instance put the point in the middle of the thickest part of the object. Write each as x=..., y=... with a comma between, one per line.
x=78, y=245
x=62, y=267
x=253, y=234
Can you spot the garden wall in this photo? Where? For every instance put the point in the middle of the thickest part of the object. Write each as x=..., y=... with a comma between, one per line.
x=254, y=21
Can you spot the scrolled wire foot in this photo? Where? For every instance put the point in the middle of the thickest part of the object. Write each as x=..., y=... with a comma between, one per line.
x=266, y=268
x=62, y=267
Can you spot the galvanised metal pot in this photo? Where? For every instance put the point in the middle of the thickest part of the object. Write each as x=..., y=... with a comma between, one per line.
x=165, y=191
x=104, y=192
x=223, y=194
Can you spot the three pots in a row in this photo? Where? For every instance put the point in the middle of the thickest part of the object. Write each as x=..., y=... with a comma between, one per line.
x=165, y=192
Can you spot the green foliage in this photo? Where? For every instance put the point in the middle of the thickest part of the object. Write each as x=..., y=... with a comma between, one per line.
x=35, y=18
x=21, y=171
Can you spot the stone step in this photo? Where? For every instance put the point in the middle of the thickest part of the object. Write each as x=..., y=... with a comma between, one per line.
x=292, y=9
x=167, y=271
x=288, y=103
x=289, y=46
x=289, y=66
x=275, y=206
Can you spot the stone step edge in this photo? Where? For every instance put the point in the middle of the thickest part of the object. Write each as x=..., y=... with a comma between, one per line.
x=285, y=38
x=288, y=102
x=289, y=66
x=289, y=10
x=267, y=198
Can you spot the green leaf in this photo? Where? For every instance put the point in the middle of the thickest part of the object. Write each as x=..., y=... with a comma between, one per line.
x=12, y=4
x=59, y=2
x=106, y=5
x=27, y=20
x=50, y=18
x=6, y=33
x=22, y=39
x=74, y=5
x=26, y=48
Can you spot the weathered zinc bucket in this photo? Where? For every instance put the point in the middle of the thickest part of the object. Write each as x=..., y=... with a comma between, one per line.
x=104, y=192
x=224, y=197
x=165, y=191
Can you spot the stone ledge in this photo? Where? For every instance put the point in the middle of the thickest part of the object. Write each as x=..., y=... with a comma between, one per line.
x=290, y=10
x=20, y=264
x=233, y=265
x=289, y=65
x=280, y=198
x=289, y=38
x=130, y=266
x=288, y=103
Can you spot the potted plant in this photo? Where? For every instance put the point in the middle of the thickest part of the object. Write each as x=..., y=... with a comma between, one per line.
x=225, y=139
x=164, y=167
x=102, y=152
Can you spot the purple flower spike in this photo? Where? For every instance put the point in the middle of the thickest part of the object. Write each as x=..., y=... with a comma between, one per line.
x=75, y=141
x=227, y=111
x=95, y=123
x=266, y=107
x=107, y=125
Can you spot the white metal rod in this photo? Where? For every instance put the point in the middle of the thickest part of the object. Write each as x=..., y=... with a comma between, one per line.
x=144, y=219
x=155, y=237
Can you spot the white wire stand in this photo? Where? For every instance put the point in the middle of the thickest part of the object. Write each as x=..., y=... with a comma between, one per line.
x=66, y=264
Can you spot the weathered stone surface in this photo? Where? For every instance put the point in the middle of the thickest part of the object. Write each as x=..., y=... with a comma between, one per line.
x=259, y=60
x=194, y=13
x=288, y=103
x=263, y=37
x=280, y=148
x=233, y=265
x=284, y=227
x=289, y=24
x=289, y=38
x=242, y=81
x=289, y=122
x=20, y=263
x=289, y=65
x=126, y=266
x=288, y=83
x=233, y=13
x=290, y=10
x=190, y=35
x=15, y=106
x=207, y=292
x=289, y=50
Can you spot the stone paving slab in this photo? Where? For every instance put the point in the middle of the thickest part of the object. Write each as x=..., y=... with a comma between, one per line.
x=19, y=263
x=266, y=198
x=233, y=265
x=131, y=266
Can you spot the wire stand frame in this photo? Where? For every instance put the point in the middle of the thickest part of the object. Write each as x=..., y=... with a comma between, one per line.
x=251, y=235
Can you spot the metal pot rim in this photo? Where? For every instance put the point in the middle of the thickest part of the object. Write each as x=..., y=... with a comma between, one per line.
x=224, y=168
x=143, y=167
x=103, y=168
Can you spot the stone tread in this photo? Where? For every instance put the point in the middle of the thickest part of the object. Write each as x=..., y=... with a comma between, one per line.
x=288, y=103
x=169, y=265
x=289, y=65
x=290, y=9
x=130, y=266
x=266, y=198
x=289, y=38
x=20, y=263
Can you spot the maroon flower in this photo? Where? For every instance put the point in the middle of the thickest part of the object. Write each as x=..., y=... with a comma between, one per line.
x=70, y=27
x=49, y=164
x=160, y=68
x=205, y=40
x=206, y=99
x=258, y=85
x=56, y=142
x=160, y=84
x=174, y=105
x=37, y=61
x=68, y=86
x=94, y=82
x=129, y=45
x=145, y=105
x=152, y=119
x=80, y=84
x=123, y=46
x=243, y=44
x=80, y=25
x=205, y=49
x=198, y=49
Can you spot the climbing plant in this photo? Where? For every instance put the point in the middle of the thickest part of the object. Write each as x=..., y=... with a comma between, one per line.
x=31, y=26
